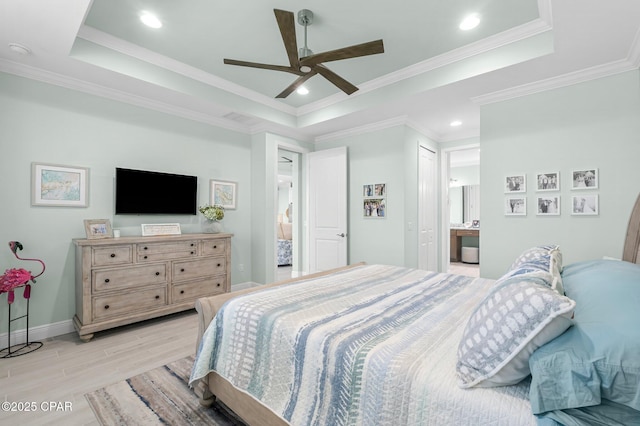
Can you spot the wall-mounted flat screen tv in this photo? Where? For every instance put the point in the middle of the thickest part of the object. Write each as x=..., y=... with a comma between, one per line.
x=148, y=192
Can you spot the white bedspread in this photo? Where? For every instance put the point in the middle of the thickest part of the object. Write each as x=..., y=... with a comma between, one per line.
x=374, y=345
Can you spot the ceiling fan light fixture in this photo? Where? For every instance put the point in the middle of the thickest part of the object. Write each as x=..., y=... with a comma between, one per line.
x=470, y=22
x=302, y=90
x=455, y=123
x=305, y=69
x=150, y=20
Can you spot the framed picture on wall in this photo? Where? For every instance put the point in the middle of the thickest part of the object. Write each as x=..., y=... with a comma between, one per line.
x=548, y=206
x=548, y=181
x=584, y=204
x=515, y=206
x=223, y=193
x=59, y=186
x=515, y=183
x=374, y=202
x=584, y=179
x=374, y=207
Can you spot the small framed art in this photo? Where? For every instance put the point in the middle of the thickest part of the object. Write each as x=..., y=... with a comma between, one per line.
x=59, y=186
x=548, y=181
x=515, y=183
x=548, y=206
x=98, y=228
x=223, y=193
x=584, y=179
x=374, y=207
x=584, y=204
x=515, y=206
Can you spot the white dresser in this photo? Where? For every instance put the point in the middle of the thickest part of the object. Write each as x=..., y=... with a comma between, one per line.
x=124, y=280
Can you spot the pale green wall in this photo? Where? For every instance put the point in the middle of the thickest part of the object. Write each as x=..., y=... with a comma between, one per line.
x=590, y=125
x=387, y=156
x=49, y=124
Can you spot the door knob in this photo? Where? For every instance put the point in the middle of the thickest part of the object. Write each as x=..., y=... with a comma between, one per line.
x=342, y=234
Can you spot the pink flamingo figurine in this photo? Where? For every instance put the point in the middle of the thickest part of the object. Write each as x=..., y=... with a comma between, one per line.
x=17, y=277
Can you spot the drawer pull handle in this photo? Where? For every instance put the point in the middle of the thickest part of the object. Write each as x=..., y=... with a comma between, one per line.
x=106, y=306
x=219, y=265
x=181, y=269
x=181, y=291
x=217, y=284
x=106, y=280
x=113, y=255
x=145, y=257
x=146, y=248
x=157, y=297
x=215, y=247
x=157, y=273
x=192, y=244
x=192, y=252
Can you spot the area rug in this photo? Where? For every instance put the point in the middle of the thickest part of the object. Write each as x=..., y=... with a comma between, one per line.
x=159, y=396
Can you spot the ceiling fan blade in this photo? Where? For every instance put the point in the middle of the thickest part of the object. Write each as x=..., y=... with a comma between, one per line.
x=263, y=66
x=334, y=78
x=287, y=26
x=357, y=50
x=293, y=86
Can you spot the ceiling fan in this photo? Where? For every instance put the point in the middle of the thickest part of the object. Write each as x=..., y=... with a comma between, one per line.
x=308, y=64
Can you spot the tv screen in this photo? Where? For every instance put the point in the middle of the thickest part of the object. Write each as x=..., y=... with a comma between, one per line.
x=146, y=192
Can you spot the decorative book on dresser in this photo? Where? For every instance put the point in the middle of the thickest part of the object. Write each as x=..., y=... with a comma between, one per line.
x=129, y=279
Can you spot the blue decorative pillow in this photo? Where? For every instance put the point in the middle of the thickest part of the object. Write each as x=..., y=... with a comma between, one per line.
x=546, y=258
x=599, y=358
x=518, y=315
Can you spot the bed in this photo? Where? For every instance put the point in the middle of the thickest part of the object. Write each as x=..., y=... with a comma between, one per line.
x=379, y=344
x=285, y=251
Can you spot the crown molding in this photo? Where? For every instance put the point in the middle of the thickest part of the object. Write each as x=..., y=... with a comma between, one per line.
x=513, y=35
x=359, y=130
x=106, y=40
x=44, y=76
x=557, y=82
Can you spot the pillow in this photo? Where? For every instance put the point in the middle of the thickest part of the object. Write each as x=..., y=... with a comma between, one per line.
x=518, y=315
x=599, y=358
x=546, y=258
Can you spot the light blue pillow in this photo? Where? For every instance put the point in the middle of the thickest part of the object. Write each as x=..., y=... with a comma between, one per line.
x=599, y=358
x=518, y=315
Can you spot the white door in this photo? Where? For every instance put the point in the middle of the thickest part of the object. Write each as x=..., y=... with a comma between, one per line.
x=427, y=210
x=327, y=209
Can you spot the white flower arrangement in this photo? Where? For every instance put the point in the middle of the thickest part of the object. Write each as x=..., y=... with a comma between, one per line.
x=215, y=212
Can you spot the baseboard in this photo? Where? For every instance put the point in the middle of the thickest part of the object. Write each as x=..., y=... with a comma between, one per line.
x=38, y=333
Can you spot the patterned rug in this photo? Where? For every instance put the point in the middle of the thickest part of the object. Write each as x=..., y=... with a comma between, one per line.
x=159, y=396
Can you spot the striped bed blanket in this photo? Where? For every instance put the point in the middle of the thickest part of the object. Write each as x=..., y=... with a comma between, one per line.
x=372, y=345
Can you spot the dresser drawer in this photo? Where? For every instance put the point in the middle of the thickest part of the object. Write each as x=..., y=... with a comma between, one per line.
x=133, y=277
x=114, y=255
x=200, y=268
x=166, y=251
x=213, y=247
x=195, y=289
x=126, y=303
x=468, y=233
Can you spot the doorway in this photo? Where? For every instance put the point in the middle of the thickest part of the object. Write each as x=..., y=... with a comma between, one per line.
x=288, y=215
x=464, y=211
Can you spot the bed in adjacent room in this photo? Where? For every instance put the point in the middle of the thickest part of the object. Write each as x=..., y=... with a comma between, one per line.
x=376, y=344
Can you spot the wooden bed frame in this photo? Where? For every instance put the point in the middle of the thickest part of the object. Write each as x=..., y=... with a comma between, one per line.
x=255, y=413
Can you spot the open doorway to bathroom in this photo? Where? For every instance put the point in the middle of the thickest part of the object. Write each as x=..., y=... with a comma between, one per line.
x=464, y=214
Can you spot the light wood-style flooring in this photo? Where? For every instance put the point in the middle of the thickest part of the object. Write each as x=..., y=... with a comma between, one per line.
x=66, y=368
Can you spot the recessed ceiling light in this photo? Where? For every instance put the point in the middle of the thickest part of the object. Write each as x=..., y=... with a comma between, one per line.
x=302, y=90
x=150, y=20
x=470, y=22
x=455, y=123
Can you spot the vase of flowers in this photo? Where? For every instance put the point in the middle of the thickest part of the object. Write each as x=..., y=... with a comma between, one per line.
x=212, y=215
